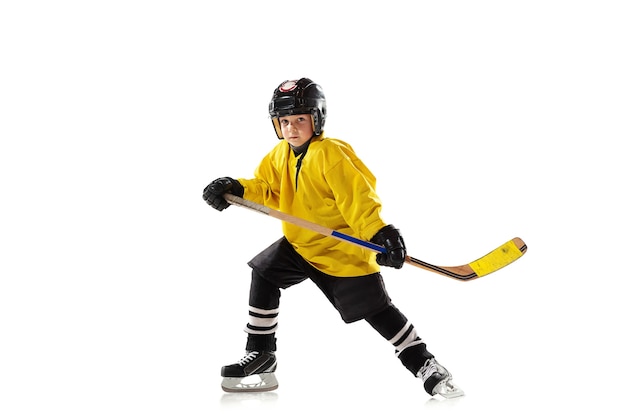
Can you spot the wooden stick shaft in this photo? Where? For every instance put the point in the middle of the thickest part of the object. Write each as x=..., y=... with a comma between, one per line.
x=326, y=231
x=494, y=260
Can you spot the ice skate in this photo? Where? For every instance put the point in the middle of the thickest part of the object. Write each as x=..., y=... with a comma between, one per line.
x=437, y=380
x=253, y=373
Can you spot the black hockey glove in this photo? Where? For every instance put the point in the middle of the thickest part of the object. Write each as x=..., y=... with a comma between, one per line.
x=213, y=192
x=391, y=239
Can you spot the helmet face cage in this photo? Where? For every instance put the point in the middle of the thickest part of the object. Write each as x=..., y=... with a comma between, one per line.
x=301, y=96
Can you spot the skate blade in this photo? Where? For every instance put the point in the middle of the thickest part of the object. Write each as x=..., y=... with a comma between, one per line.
x=254, y=383
x=448, y=389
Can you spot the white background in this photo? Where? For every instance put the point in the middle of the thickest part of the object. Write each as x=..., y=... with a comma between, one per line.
x=123, y=294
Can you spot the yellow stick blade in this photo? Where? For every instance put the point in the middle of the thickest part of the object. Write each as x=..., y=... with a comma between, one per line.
x=499, y=257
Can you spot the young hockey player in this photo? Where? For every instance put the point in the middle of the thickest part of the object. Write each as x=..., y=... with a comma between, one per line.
x=322, y=180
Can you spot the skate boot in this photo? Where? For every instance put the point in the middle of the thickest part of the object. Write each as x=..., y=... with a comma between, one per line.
x=253, y=373
x=437, y=380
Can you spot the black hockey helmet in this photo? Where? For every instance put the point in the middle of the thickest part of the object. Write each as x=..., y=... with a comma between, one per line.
x=301, y=96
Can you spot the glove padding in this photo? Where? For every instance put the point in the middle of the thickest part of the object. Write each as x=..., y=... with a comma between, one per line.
x=213, y=192
x=392, y=240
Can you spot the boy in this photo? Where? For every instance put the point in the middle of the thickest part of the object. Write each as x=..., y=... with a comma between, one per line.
x=320, y=179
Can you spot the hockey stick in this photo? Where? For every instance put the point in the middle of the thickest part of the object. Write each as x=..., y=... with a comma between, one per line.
x=491, y=262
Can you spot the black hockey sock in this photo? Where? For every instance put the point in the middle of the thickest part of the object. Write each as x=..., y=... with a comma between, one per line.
x=263, y=293
x=262, y=314
x=414, y=357
x=388, y=322
x=261, y=342
x=398, y=331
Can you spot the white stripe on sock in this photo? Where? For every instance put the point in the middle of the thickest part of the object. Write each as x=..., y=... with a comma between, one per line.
x=248, y=330
x=262, y=322
x=261, y=311
x=401, y=333
x=408, y=345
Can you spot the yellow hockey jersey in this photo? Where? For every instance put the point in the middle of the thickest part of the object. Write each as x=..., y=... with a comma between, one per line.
x=328, y=185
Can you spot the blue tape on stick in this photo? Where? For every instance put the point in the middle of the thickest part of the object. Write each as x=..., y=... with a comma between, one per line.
x=359, y=242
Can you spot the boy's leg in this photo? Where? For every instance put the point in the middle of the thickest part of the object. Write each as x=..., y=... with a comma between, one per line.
x=262, y=314
x=398, y=331
x=260, y=358
x=411, y=350
x=273, y=269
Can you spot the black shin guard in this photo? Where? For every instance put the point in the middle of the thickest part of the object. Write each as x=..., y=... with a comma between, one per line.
x=261, y=342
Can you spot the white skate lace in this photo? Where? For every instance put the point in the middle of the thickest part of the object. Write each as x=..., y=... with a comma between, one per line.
x=250, y=356
x=429, y=368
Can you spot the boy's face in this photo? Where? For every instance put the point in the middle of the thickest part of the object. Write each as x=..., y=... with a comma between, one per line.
x=297, y=129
